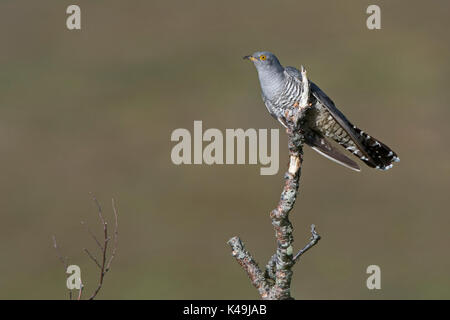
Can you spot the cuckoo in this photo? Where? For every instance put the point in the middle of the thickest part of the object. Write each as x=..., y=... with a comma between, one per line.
x=320, y=121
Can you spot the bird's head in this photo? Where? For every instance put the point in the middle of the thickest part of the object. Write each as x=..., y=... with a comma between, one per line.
x=264, y=60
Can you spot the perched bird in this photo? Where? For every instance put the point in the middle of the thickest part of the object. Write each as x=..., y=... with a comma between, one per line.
x=281, y=91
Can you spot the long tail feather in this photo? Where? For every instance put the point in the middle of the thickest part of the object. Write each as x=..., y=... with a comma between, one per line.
x=382, y=157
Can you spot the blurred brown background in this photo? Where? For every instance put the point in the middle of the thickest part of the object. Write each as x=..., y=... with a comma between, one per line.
x=93, y=110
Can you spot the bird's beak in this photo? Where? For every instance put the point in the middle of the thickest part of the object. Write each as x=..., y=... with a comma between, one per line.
x=251, y=58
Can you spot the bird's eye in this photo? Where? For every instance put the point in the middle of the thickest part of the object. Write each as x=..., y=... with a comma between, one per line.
x=262, y=57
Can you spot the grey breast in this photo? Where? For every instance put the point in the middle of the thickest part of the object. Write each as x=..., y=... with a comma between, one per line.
x=292, y=90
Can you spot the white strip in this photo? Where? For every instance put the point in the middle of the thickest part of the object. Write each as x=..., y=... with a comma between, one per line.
x=337, y=161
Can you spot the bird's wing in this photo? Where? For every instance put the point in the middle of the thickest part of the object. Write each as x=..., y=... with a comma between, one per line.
x=322, y=146
x=370, y=150
x=293, y=72
x=339, y=117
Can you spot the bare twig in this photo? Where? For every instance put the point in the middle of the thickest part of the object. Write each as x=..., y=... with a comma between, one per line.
x=92, y=257
x=93, y=236
x=275, y=283
x=312, y=242
x=104, y=264
x=116, y=233
x=80, y=292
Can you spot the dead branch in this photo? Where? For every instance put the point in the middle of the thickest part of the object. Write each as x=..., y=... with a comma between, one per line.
x=312, y=242
x=275, y=282
x=116, y=220
x=246, y=261
x=104, y=264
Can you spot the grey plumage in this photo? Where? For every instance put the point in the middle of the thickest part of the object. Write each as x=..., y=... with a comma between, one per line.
x=281, y=91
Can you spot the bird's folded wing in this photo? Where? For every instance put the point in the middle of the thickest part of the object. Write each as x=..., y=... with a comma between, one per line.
x=339, y=117
x=322, y=146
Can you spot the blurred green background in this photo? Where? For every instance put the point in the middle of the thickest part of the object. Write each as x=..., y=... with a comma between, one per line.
x=93, y=111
